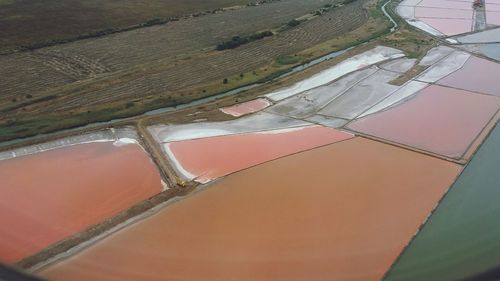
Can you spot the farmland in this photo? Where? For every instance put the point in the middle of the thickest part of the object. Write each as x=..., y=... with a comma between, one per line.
x=25, y=22
x=130, y=72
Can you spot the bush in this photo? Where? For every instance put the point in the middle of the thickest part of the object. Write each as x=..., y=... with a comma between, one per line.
x=293, y=23
x=237, y=41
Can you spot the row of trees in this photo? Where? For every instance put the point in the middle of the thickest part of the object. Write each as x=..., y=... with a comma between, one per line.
x=237, y=41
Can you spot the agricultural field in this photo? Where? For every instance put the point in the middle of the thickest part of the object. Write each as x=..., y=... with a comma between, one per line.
x=94, y=79
x=27, y=22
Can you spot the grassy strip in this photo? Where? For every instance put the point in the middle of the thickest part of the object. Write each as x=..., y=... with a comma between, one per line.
x=28, y=102
x=98, y=229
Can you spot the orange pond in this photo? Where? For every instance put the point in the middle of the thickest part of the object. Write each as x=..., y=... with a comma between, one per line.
x=48, y=196
x=209, y=158
x=340, y=212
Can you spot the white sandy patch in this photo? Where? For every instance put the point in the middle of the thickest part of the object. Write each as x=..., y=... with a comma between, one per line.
x=125, y=141
x=261, y=121
x=402, y=93
x=110, y=135
x=410, y=2
x=435, y=54
x=425, y=27
x=284, y=131
x=164, y=186
x=176, y=164
x=445, y=67
x=354, y=63
x=401, y=65
x=406, y=12
x=487, y=36
x=328, y=121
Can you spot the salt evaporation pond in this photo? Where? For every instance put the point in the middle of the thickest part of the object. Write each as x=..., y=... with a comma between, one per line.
x=438, y=119
x=477, y=75
x=246, y=107
x=438, y=17
x=443, y=13
x=48, y=196
x=206, y=159
x=449, y=26
x=461, y=240
x=340, y=212
x=260, y=121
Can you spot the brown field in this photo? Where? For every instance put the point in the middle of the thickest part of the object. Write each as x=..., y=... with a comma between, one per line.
x=26, y=22
x=92, y=79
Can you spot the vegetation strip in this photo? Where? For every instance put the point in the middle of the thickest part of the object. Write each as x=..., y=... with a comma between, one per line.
x=237, y=41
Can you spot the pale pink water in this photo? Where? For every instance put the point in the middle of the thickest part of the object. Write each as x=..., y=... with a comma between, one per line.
x=477, y=75
x=449, y=26
x=462, y=5
x=246, y=107
x=441, y=120
x=493, y=17
x=493, y=7
x=424, y=12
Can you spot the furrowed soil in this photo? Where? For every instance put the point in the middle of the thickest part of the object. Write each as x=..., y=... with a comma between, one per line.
x=26, y=22
x=127, y=73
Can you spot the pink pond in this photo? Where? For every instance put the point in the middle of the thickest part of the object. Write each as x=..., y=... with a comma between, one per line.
x=440, y=120
x=449, y=26
x=477, y=75
x=493, y=17
x=209, y=158
x=462, y=5
x=246, y=107
x=424, y=12
x=493, y=7
x=48, y=196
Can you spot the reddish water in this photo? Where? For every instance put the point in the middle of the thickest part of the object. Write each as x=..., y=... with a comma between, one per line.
x=478, y=75
x=209, y=158
x=48, y=196
x=439, y=119
x=340, y=212
x=246, y=107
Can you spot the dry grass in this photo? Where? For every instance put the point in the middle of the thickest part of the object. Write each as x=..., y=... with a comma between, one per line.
x=25, y=22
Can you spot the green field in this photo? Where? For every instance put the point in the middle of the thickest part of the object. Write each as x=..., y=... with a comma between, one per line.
x=461, y=240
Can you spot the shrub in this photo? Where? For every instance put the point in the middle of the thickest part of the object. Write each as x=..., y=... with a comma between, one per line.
x=237, y=41
x=293, y=23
